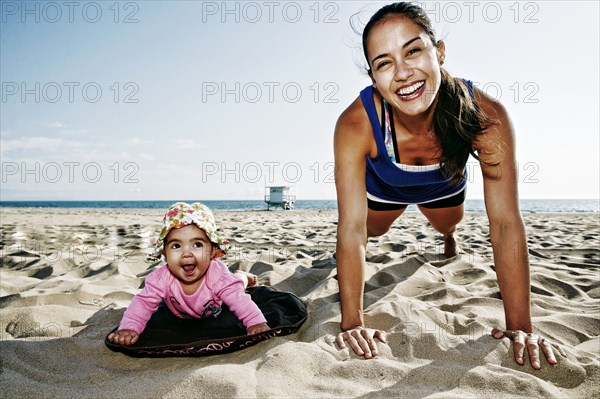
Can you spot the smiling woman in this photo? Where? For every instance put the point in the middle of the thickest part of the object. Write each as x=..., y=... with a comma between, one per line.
x=406, y=140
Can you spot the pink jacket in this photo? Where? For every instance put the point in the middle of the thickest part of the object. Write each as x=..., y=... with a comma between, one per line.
x=219, y=286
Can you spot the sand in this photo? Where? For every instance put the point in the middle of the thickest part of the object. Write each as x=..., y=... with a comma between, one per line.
x=67, y=275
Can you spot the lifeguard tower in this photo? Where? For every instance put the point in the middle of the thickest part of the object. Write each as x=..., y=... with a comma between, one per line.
x=280, y=196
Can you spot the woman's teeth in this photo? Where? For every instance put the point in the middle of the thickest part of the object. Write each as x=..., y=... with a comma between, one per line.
x=405, y=91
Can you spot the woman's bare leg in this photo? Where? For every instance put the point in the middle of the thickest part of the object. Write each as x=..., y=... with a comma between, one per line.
x=445, y=220
x=379, y=222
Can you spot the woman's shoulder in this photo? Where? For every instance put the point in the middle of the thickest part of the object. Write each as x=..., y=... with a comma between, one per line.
x=354, y=115
x=492, y=107
x=498, y=138
x=353, y=129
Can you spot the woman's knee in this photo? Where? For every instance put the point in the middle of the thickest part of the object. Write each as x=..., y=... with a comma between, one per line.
x=444, y=220
x=380, y=222
x=376, y=231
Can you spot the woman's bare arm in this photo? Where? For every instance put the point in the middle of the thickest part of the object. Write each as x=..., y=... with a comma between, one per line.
x=352, y=144
x=496, y=150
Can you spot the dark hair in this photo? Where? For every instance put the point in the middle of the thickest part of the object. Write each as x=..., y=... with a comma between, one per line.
x=457, y=120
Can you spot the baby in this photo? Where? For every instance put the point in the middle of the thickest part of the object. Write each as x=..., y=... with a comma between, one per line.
x=192, y=283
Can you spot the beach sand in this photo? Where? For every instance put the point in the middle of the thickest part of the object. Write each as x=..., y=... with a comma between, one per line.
x=68, y=274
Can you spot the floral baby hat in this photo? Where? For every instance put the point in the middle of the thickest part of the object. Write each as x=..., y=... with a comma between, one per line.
x=182, y=214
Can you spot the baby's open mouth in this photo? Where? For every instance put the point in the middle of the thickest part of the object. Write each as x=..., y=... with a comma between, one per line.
x=188, y=269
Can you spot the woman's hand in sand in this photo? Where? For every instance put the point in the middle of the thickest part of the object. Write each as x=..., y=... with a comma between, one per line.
x=257, y=329
x=124, y=337
x=361, y=340
x=533, y=342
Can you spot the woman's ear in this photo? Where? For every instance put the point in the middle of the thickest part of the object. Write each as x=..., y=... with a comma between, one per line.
x=441, y=51
x=370, y=72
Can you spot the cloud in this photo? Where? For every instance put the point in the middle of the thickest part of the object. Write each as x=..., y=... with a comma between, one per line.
x=45, y=144
x=147, y=157
x=78, y=132
x=139, y=141
x=67, y=130
x=187, y=144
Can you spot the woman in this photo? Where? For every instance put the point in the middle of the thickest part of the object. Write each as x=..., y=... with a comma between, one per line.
x=406, y=140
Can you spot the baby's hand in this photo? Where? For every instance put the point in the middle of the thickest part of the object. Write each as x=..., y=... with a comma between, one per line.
x=124, y=337
x=257, y=329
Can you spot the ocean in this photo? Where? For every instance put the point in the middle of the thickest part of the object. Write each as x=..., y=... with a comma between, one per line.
x=471, y=205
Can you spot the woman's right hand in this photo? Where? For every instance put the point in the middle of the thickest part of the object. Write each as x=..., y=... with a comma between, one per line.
x=361, y=340
x=124, y=337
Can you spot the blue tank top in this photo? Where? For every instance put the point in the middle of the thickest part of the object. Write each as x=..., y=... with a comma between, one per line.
x=388, y=181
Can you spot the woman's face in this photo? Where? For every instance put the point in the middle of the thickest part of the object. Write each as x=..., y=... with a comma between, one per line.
x=405, y=64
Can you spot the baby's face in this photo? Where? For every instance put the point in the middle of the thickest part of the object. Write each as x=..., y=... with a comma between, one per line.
x=188, y=252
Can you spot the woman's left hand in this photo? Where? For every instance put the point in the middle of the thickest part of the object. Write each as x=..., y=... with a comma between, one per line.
x=533, y=342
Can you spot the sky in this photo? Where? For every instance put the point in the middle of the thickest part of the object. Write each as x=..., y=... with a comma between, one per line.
x=157, y=100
